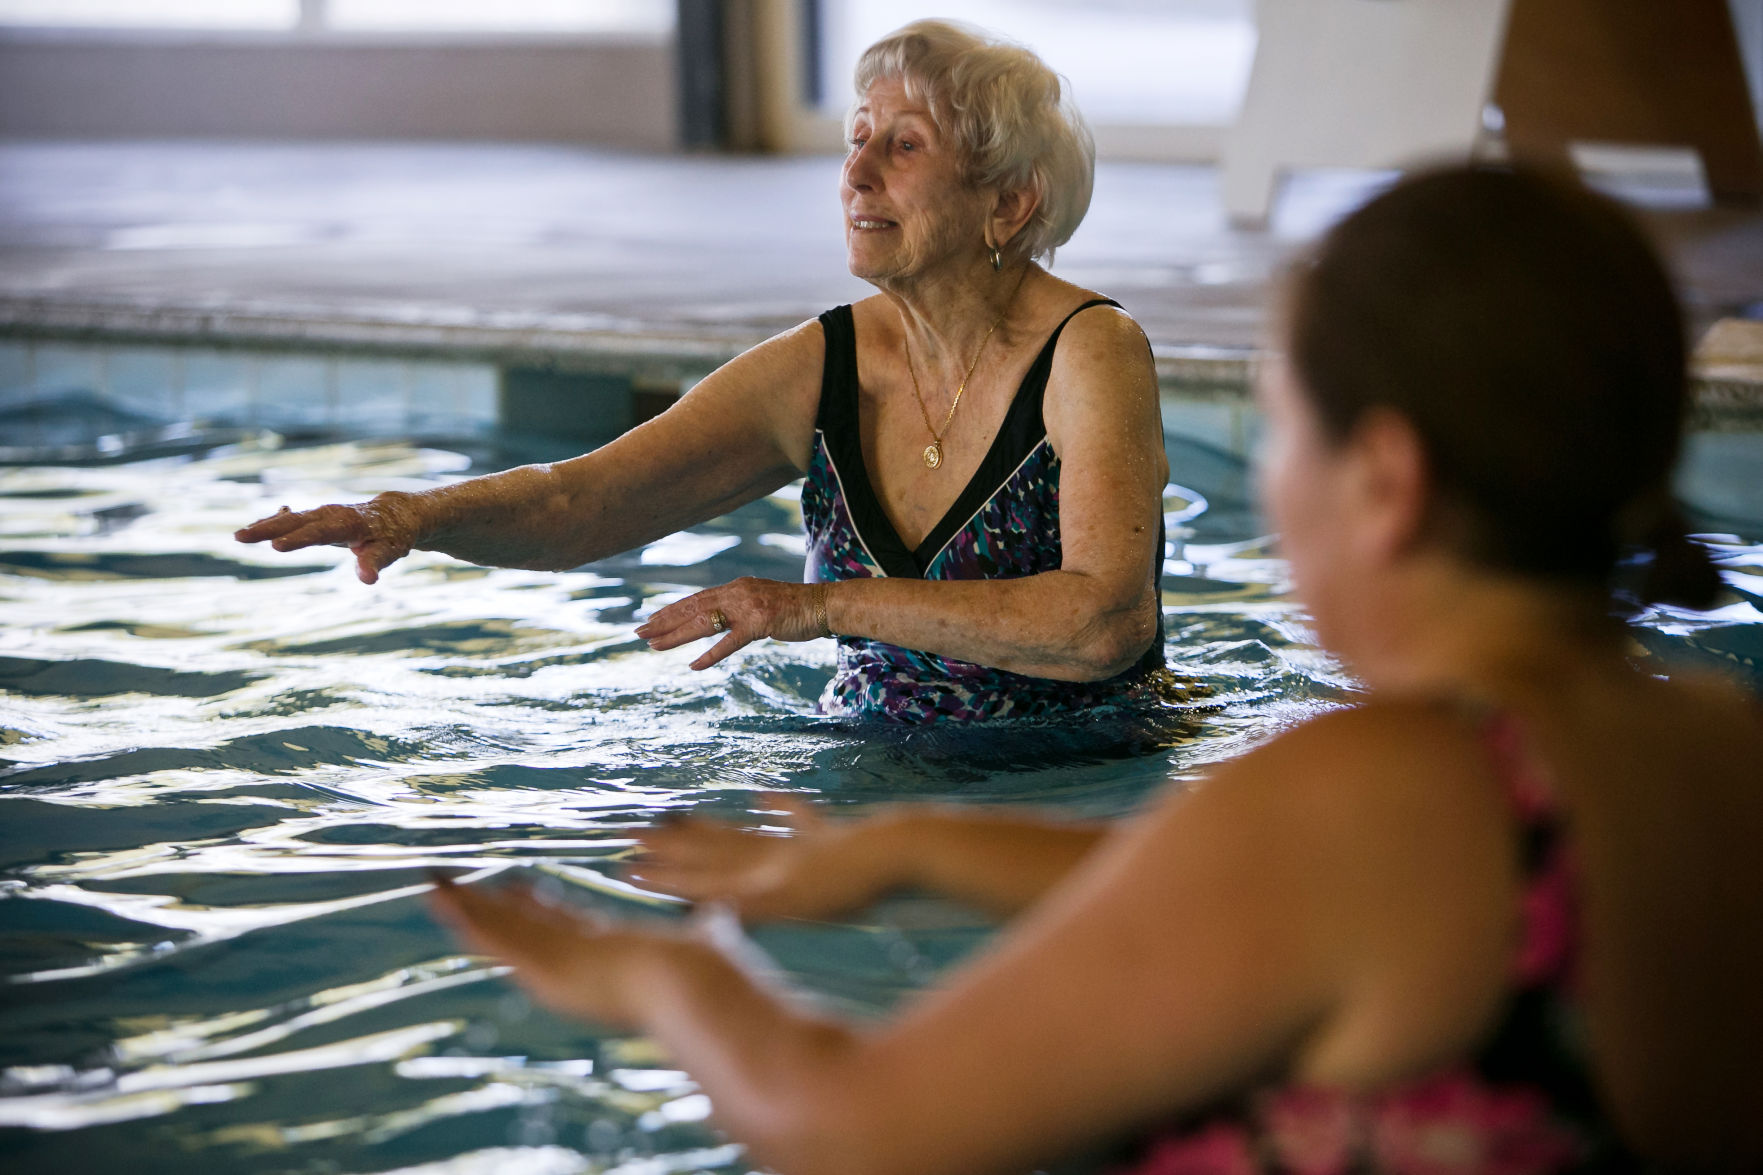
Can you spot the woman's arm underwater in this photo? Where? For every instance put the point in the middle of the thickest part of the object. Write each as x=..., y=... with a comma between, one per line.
x=999, y=862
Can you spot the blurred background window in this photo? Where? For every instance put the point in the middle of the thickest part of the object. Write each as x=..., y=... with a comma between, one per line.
x=641, y=17
x=608, y=17
x=177, y=14
x=1130, y=62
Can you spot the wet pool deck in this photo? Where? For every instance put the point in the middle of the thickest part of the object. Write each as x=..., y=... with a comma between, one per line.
x=494, y=251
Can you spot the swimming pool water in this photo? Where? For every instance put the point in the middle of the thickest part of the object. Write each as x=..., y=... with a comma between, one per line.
x=223, y=772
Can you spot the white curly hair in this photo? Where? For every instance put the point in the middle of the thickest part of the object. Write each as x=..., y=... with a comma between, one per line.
x=1010, y=116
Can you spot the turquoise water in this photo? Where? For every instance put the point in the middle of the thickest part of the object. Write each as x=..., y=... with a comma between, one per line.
x=223, y=773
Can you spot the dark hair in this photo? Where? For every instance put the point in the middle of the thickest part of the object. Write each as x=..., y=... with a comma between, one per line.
x=1529, y=332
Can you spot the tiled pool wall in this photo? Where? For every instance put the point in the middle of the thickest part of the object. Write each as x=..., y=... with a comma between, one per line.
x=129, y=385
x=117, y=387
x=374, y=395
x=1720, y=476
x=1218, y=416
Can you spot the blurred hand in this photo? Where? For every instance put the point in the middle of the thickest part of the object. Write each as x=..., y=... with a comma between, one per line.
x=380, y=532
x=820, y=869
x=750, y=610
x=573, y=963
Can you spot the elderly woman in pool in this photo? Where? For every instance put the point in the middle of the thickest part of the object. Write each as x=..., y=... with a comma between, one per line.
x=981, y=439
x=1504, y=916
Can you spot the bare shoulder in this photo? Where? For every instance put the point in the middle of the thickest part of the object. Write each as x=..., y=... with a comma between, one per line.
x=1722, y=700
x=794, y=354
x=1699, y=724
x=1381, y=757
x=1667, y=815
x=1372, y=846
x=1102, y=388
x=1375, y=729
x=1105, y=334
x=1390, y=797
x=1689, y=712
x=766, y=397
x=1393, y=835
x=804, y=341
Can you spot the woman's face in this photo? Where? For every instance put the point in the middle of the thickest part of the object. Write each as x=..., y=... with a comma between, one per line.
x=1305, y=487
x=906, y=207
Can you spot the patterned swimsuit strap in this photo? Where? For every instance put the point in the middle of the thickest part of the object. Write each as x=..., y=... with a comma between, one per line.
x=1548, y=949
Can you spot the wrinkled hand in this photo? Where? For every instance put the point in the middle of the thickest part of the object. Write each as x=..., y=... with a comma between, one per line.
x=820, y=869
x=380, y=532
x=573, y=963
x=750, y=609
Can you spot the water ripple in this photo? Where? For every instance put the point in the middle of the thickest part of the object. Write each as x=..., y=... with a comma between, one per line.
x=225, y=772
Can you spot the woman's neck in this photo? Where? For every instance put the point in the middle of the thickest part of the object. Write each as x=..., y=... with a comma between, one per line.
x=1462, y=631
x=946, y=316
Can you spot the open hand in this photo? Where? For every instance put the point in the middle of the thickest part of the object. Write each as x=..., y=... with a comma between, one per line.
x=379, y=532
x=582, y=966
x=820, y=869
x=743, y=611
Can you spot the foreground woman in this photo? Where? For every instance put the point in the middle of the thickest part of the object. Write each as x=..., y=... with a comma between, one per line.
x=1506, y=915
x=982, y=441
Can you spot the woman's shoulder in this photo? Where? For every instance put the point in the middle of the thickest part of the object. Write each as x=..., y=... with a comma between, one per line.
x=1716, y=696
x=1677, y=750
x=1102, y=356
x=1383, y=785
x=1091, y=326
x=1423, y=769
x=1082, y=311
x=1389, y=836
x=1103, y=325
x=1373, y=751
x=1642, y=724
x=1666, y=812
x=1402, y=796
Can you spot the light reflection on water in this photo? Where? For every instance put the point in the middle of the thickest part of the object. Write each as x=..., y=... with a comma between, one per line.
x=223, y=772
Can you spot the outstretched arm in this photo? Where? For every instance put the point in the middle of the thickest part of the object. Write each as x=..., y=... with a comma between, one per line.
x=1000, y=862
x=741, y=433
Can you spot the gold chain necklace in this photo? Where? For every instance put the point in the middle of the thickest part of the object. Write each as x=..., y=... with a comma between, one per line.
x=933, y=452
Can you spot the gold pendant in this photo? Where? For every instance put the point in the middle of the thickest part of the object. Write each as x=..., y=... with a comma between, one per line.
x=933, y=455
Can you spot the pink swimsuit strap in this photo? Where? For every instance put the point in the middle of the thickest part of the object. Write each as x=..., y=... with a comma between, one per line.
x=1548, y=949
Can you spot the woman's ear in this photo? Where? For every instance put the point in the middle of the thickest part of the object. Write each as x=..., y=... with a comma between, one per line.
x=1011, y=212
x=1392, y=484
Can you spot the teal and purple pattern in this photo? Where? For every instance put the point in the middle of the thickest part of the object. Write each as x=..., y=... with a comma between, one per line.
x=1005, y=525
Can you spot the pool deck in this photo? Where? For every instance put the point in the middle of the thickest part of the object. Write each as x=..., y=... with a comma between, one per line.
x=499, y=250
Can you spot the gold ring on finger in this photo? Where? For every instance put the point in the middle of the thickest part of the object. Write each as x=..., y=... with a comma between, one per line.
x=718, y=622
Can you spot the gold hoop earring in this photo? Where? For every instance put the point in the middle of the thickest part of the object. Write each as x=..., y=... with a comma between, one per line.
x=997, y=257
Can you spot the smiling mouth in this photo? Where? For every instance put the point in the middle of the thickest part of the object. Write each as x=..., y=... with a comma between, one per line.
x=861, y=223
